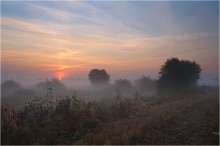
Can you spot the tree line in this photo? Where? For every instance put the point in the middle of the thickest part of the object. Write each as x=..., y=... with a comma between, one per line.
x=174, y=75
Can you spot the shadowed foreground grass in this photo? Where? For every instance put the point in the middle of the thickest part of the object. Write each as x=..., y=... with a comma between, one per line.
x=167, y=120
x=187, y=121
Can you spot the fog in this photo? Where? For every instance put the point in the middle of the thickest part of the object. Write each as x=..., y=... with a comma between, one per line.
x=16, y=92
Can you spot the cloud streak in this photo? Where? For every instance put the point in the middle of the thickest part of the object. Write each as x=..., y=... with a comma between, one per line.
x=66, y=42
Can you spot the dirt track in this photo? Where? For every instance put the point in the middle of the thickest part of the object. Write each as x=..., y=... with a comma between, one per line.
x=193, y=120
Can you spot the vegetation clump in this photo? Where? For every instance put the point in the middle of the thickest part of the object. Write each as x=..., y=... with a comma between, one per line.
x=56, y=120
x=99, y=77
x=176, y=75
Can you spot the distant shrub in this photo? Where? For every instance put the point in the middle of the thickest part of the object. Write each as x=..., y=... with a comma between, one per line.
x=146, y=85
x=55, y=84
x=9, y=86
x=123, y=85
x=99, y=77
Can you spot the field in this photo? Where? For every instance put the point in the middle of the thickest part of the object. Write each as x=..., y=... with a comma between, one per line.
x=81, y=72
x=159, y=119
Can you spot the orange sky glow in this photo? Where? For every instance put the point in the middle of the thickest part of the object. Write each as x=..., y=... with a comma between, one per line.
x=70, y=46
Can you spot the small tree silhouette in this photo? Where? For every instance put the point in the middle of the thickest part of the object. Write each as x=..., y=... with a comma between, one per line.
x=98, y=77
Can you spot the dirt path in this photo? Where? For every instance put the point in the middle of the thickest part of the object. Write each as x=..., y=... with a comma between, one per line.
x=185, y=121
x=197, y=124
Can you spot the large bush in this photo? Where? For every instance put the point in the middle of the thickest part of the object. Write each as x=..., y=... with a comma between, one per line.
x=176, y=74
x=99, y=77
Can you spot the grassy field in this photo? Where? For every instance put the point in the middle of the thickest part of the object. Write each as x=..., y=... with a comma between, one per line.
x=169, y=119
x=190, y=120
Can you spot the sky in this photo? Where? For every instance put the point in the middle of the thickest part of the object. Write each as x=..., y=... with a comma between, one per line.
x=53, y=39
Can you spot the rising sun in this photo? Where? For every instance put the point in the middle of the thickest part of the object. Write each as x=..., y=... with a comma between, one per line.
x=60, y=75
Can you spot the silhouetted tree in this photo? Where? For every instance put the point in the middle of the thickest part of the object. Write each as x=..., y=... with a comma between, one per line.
x=9, y=86
x=98, y=77
x=178, y=74
x=123, y=84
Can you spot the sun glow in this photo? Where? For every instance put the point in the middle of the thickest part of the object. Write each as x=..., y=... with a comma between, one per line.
x=60, y=75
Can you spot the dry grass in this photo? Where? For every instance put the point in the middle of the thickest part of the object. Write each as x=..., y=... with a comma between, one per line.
x=183, y=121
x=151, y=120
